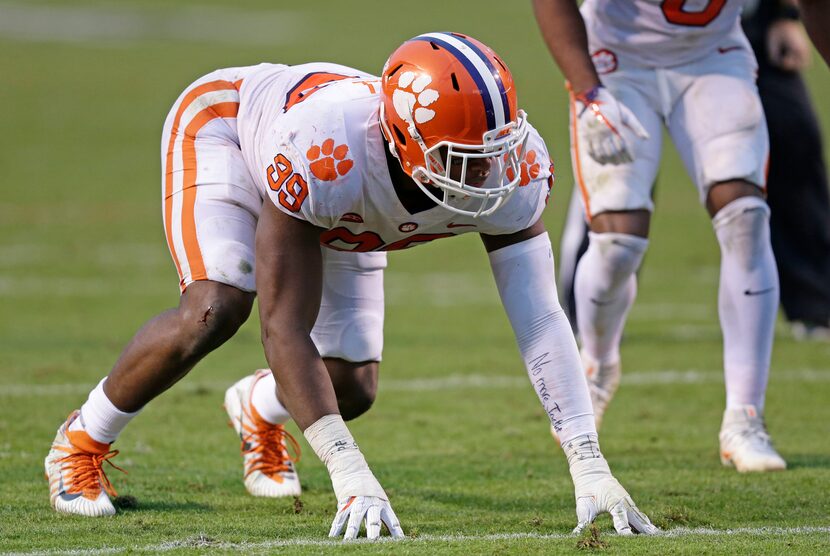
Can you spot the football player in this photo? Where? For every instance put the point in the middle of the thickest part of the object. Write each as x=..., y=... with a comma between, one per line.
x=298, y=179
x=633, y=67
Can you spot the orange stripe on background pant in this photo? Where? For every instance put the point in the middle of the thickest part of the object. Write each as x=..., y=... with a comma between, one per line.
x=576, y=163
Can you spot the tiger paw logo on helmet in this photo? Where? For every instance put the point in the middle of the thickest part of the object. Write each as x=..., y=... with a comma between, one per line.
x=413, y=103
x=529, y=169
x=333, y=162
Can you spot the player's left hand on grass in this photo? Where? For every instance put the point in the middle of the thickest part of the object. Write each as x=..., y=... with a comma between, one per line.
x=600, y=120
x=597, y=491
x=373, y=509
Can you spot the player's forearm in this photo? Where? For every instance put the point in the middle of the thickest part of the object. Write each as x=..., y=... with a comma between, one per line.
x=304, y=384
x=564, y=32
x=815, y=14
x=524, y=274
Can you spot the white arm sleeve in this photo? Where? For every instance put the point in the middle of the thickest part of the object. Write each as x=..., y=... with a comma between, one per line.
x=524, y=274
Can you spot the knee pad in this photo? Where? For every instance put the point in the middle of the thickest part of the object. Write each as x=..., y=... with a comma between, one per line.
x=736, y=145
x=352, y=335
x=742, y=227
x=227, y=247
x=621, y=254
x=350, y=322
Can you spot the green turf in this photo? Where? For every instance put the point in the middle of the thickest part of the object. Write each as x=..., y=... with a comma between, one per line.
x=83, y=264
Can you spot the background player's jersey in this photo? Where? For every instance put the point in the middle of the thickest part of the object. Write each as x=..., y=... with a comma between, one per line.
x=660, y=33
x=311, y=138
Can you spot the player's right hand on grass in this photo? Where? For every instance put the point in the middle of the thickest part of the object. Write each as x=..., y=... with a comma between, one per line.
x=599, y=120
x=597, y=491
x=354, y=509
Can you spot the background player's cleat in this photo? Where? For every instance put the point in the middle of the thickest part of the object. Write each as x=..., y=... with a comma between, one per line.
x=269, y=469
x=603, y=381
x=745, y=443
x=77, y=483
x=810, y=332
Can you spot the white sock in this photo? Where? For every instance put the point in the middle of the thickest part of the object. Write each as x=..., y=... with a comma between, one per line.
x=100, y=419
x=747, y=299
x=265, y=401
x=604, y=289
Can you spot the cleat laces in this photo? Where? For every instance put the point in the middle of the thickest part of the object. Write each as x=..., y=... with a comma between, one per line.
x=270, y=455
x=85, y=472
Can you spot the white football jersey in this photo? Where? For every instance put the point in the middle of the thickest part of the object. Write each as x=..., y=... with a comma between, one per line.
x=311, y=139
x=661, y=33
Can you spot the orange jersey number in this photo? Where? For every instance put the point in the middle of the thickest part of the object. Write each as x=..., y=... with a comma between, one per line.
x=674, y=13
x=291, y=188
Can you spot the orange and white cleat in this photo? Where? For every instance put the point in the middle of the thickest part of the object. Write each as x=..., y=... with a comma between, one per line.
x=745, y=443
x=268, y=467
x=74, y=469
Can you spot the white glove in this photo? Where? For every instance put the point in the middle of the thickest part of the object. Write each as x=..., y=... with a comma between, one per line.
x=597, y=491
x=358, y=492
x=600, y=120
x=374, y=509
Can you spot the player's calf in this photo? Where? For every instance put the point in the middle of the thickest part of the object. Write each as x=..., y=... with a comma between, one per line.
x=355, y=385
x=210, y=313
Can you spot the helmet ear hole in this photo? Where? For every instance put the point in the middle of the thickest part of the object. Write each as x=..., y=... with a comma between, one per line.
x=399, y=134
x=394, y=71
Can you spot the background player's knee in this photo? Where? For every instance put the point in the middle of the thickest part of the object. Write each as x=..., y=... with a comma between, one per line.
x=742, y=227
x=210, y=314
x=621, y=255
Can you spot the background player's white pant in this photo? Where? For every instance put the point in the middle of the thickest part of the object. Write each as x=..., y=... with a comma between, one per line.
x=713, y=114
x=211, y=206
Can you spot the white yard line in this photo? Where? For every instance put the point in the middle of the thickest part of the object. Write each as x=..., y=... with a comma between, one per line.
x=203, y=543
x=115, y=26
x=450, y=382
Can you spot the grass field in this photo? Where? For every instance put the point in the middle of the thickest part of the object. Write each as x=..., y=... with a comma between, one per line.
x=457, y=436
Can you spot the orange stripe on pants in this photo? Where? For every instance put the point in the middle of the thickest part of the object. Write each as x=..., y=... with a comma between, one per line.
x=190, y=166
x=168, y=179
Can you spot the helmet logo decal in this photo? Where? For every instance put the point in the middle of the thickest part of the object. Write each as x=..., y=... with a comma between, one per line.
x=407, y=104
x=328, y=162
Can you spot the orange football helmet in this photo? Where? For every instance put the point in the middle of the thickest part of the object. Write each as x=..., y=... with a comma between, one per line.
x=448, y=99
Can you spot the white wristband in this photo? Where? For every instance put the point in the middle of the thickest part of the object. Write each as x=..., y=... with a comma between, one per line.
x=334, y=445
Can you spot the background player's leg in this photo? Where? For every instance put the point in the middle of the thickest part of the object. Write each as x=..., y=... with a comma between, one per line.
x=719, y=129
x=798, y=198
x=604, y=291
x=605, y=285
x=747, y=304
x=748, y=292
x=573, y=245
x=617, y=201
